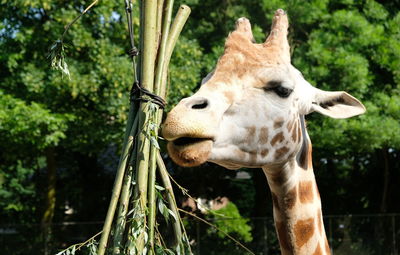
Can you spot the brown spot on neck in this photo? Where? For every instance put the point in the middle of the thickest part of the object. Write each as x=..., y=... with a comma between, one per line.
x=264, y=153
x=278, y=123
x=303, y=231
x=279, y=153
x=278, y=138
x=290, y=125
x=306, y=193
x=294, y=135
x=278, y=177
x=263, y=135
x=275, y=201
x=251, y=131
x=253, y=156
x=295, y=126
x=298, y=134
x=283, y=236
x=289, y=199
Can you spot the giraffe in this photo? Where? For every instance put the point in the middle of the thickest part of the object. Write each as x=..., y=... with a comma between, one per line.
x=249, y=112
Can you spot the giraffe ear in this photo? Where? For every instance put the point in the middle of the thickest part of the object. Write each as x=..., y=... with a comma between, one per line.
x=336, y=104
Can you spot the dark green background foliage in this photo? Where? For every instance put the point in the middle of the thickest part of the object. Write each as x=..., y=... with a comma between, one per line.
x=338, y=45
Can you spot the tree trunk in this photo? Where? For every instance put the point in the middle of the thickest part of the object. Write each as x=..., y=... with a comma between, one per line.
x=386, y=179
x=48, y=214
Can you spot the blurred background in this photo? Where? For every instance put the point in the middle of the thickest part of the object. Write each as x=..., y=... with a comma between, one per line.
x=60, y=137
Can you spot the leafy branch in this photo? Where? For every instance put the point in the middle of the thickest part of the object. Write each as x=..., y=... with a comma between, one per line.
x=57, y=49
x=90, y=243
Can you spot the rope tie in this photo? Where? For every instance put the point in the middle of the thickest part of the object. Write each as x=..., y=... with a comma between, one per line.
x=134, y=52
x=138, y=93
x=151, y=97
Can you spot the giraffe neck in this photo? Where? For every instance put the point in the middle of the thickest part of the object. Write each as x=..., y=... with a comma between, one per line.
x=297, y=208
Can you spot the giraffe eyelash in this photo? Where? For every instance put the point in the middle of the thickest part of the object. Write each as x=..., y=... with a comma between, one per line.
x=277, y=87
x=283, y=92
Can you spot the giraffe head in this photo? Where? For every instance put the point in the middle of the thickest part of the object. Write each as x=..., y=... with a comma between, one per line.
x=247, y=111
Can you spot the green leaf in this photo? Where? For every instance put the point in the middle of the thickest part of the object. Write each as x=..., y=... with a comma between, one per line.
x=173, y=215
x=159, y=187
x=163, y=209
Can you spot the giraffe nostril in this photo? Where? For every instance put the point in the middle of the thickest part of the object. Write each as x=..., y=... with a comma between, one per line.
x=200, y=103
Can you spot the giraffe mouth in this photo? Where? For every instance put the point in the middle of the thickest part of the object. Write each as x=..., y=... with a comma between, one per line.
x=190, y=151
x=185, y=141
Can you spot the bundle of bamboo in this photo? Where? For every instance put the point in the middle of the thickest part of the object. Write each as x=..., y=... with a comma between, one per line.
x=132, y=230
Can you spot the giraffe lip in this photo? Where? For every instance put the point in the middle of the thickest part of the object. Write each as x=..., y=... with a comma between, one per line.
x=189, y=151
x=186, y=141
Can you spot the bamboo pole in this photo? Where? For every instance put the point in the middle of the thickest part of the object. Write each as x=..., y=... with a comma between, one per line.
x=149, y=12
x=163, y=44
x=170, y=196
x=146, y=80
x=160, y=6
x=159, y=70
x=125, y=194
x=176, y=28
x=129, y=18
x=117, y=184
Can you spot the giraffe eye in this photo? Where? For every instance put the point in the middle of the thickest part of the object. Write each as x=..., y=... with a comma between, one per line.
x=282, y=91
x=277, y=87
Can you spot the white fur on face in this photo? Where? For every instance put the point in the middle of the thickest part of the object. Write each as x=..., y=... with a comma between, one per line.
x=254, y=128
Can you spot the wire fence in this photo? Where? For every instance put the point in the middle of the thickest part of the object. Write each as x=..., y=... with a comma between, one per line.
x=347, y=234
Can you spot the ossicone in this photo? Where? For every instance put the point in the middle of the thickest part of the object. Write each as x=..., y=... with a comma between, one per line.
x=277, y=38
x=243, y=27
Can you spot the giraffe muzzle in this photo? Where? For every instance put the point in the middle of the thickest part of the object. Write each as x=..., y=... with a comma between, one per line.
x=189, y=151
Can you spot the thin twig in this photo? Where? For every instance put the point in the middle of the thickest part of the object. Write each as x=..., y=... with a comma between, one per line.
x=184, y=191
x=159, y=236
x=93, y=237
x=220, y=230
x=67, y=27
x=80, y=245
